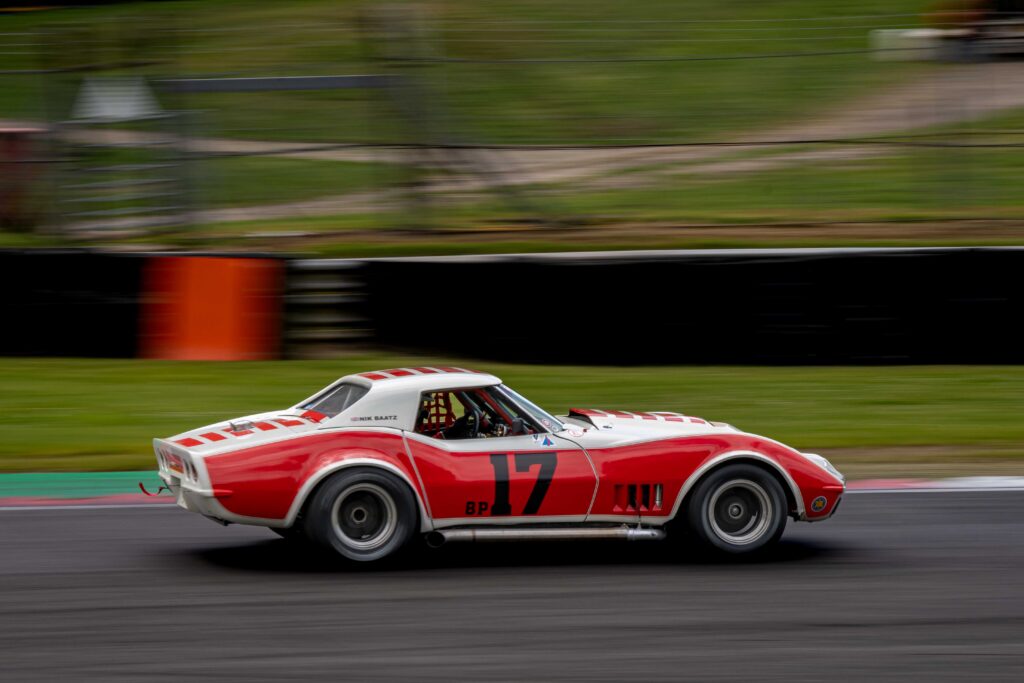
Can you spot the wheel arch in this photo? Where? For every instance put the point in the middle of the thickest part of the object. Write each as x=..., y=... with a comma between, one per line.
x=320, y=476
x=794, y=498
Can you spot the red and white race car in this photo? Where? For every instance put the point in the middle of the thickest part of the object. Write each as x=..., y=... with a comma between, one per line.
x=378, y=459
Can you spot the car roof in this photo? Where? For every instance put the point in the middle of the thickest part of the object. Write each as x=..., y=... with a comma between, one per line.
x=422, y=378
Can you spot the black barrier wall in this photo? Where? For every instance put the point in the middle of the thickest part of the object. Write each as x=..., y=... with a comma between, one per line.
x=69, y=303
x=159, y=305
x=743, y=307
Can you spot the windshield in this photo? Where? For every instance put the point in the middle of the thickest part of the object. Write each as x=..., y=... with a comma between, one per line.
x=549, y=421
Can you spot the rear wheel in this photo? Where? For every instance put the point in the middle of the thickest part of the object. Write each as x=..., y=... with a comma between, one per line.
x=738, y=509
x=363, y=514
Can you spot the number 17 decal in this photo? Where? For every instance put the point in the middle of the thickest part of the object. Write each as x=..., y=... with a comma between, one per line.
x=524, y=461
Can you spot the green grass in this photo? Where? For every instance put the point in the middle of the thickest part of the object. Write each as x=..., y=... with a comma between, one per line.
x=245, y=181
x=916, y=185
x=230, y=180
x=569, y=101
x=583, y=99
x=74, y=414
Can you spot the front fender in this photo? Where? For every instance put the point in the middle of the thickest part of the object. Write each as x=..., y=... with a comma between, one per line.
x=740, y=456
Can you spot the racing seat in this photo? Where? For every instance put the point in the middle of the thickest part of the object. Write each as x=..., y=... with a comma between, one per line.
x=435, y=414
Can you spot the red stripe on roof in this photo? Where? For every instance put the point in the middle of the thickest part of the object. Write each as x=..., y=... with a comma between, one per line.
x=406, y=372
x=620, y=413
x=240, y=432
x=189, y=443
x=648, y=416
x=213, y=436
x=264, y=426
x=698, y=420
x=674, y=418
x=314, y=416
x=288, y=423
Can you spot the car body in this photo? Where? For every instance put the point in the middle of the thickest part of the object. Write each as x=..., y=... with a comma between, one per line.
x=378, y=458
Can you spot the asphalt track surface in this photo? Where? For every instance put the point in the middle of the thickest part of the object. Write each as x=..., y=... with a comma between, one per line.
x=921, y=585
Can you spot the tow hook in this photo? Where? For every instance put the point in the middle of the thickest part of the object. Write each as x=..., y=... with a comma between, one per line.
x=162, y=488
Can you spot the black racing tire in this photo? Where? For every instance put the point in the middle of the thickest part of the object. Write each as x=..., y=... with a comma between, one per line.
x=364, y=514
x=738, y=509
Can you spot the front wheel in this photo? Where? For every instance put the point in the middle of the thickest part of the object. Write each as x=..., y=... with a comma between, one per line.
x=738, y=509
x=363, y=514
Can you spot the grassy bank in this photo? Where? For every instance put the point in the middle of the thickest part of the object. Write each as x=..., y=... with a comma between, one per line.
x=72, y=414
x=516, y=71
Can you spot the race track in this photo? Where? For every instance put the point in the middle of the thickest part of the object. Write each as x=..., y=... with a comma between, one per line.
x=922, y=585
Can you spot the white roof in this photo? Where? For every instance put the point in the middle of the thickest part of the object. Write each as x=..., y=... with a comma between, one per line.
x=421, y=378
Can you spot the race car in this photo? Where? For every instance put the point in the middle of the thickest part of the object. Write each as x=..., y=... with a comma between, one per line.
x=378, y=459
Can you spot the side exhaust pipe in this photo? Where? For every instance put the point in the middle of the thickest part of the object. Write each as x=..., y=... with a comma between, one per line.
x=435, y=539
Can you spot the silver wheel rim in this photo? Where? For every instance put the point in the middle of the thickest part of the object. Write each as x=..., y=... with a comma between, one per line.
x=364, y=517
x=740, y=512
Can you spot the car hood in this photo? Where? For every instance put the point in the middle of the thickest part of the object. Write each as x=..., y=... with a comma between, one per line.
x=594, y=428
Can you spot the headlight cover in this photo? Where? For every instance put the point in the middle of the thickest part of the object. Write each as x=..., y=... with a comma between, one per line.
x=824, y=464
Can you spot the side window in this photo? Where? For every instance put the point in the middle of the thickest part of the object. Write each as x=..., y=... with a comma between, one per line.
x=438, y=411
x=470, y=414
x=336, y=400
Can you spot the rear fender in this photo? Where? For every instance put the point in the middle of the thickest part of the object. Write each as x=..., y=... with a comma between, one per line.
x=329, y=465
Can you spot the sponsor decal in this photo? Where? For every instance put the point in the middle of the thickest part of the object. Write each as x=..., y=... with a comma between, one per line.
x=547, y=442
x=819, y=503
x=374, y=418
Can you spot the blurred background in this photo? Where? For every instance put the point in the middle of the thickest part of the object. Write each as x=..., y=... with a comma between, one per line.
x=802, y=218
x=314, y=187
x=497, y=126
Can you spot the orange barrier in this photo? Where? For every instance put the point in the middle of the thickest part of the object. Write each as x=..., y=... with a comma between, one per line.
x=211, y=308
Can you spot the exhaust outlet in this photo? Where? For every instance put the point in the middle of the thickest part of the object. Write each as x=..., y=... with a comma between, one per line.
x=436, y=539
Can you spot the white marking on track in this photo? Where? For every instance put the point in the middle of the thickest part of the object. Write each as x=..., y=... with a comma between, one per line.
x=951, y=485
x=954, y=485
x=99, y=506
x=1002, y=489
